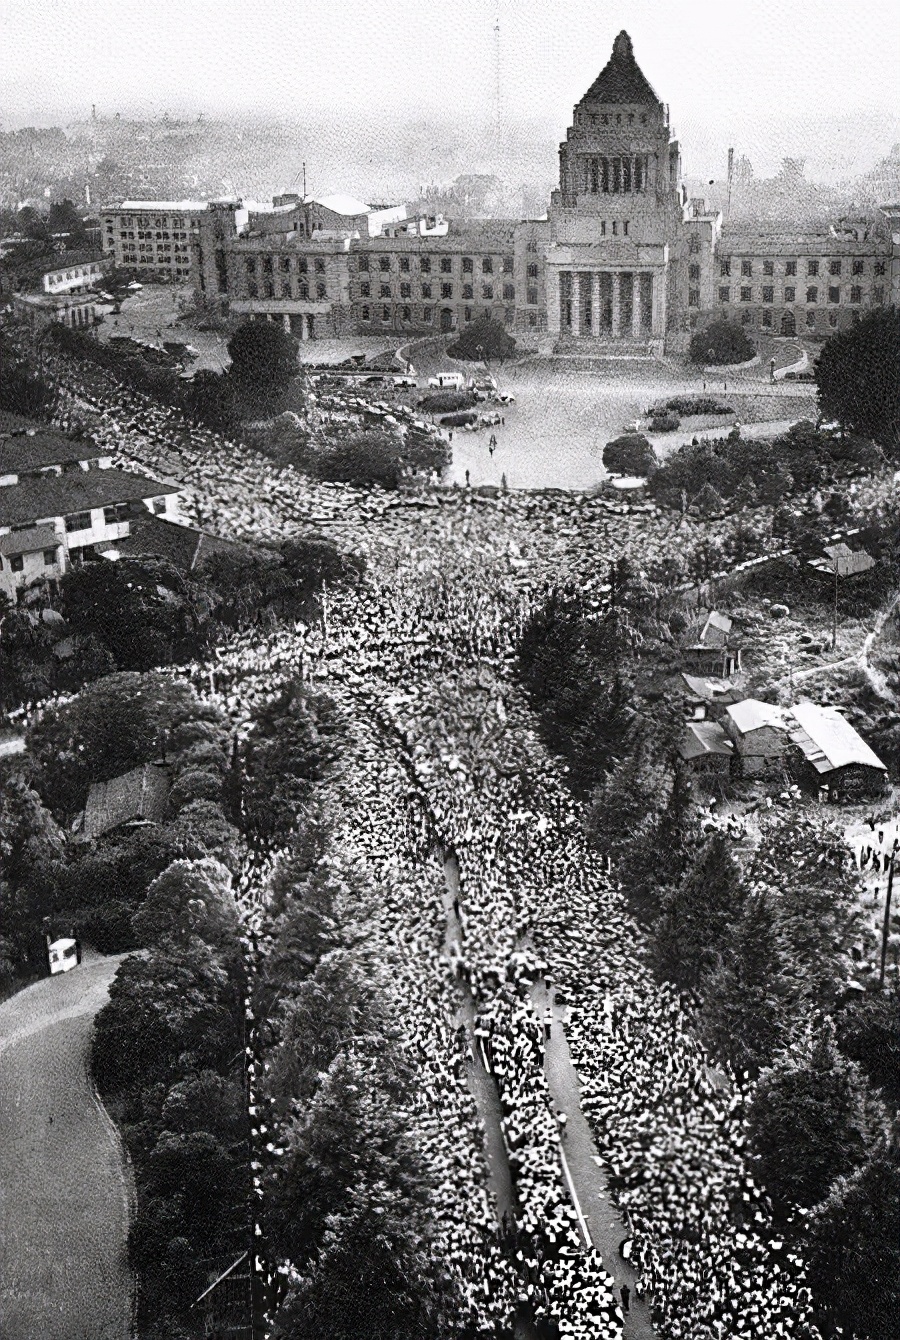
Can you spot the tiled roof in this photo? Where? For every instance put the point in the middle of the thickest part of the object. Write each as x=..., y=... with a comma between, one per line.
x=27, y=451
x=29, y=541
x=621, y=80
x=66, y=259
x=183, y=546
x=702, y=738
x=139, y=794
x=77, y=491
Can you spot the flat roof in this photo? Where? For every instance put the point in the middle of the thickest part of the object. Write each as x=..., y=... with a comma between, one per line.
x=829, y=741
x=145, y=206
x=78, y=491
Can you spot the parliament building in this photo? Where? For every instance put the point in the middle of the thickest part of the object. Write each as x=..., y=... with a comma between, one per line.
x=623, y=261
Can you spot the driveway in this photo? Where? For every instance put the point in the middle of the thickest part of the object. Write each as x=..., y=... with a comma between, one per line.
x=64, y=1186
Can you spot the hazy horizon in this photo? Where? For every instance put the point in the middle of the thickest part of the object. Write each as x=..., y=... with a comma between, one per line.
x=810, y=81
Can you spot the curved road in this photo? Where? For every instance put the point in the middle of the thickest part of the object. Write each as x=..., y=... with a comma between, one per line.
x=64, y=1185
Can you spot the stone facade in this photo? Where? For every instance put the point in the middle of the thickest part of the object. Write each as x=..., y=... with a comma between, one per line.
x=623, y=257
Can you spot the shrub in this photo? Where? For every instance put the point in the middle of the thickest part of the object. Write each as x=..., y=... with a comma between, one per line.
x=696, y=404
x=664, y=423
x=363, y=459
x=484, y=339
x=631, y=454
x=721, y=343
x=445, y=402
x=457, y=420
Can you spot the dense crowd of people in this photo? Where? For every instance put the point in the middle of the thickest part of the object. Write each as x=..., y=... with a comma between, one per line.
x=446, y=759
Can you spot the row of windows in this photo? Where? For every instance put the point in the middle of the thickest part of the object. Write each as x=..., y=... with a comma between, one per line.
x=267, y=264
x=285, y=290
x=387, y=314
x=468, y=291
x=858, y=267
x=607, y=118
x=505, y=265
x=812, y=293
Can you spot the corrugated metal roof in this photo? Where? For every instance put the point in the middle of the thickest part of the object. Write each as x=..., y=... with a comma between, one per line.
x=750, y=714
x=829, y=741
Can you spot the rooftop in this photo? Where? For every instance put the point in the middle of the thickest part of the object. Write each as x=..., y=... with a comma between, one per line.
x=66, y=259
x=139, y=794
x=750, y=714
x=29, y=541
x=844, y=561
x=184, y=546
x=30, y=450
x=143, y=206
x=621, y=80
x=78, y=491
x=702, y=738
x=347, y=205
x=829, y=741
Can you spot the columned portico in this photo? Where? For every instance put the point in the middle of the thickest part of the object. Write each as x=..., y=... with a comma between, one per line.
x=618, y=304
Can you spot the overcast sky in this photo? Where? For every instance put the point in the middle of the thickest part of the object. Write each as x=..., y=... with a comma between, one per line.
x=723, y=65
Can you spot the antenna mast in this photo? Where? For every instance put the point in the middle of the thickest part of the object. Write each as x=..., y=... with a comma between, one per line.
x=497, y=111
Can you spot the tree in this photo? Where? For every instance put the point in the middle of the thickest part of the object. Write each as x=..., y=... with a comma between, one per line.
x=292, y=746
x=807, y=1119
x=313, y=561
x=374, y=1274
x=631, y=454
x=208, y=398
x=696, y=916
x=721, y=342
x=858, y=377
x=869, y=1033
x=190, y=898
x=142, y=610
x=853, y=1248
x=112, y=726
x=169, y=1014
x=484, y=339
x=263, y=359
x=748, y=995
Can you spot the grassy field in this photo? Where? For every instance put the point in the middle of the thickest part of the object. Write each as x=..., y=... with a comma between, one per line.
x=64, y=1197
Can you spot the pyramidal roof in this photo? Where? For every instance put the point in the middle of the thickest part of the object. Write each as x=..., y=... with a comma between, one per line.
x=621, y=79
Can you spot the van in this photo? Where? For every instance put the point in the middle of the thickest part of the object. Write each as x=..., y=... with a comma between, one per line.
x=448, y=381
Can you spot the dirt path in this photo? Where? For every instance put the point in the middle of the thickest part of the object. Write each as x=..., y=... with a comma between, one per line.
x=64, y=1187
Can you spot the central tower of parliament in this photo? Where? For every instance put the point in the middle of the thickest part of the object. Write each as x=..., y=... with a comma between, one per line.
x=623, y=261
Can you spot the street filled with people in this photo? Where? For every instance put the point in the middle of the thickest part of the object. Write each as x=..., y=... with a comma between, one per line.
x=445, y=758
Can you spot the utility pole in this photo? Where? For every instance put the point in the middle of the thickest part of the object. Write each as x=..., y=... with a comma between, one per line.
x=886, y=928
x=834, y=612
